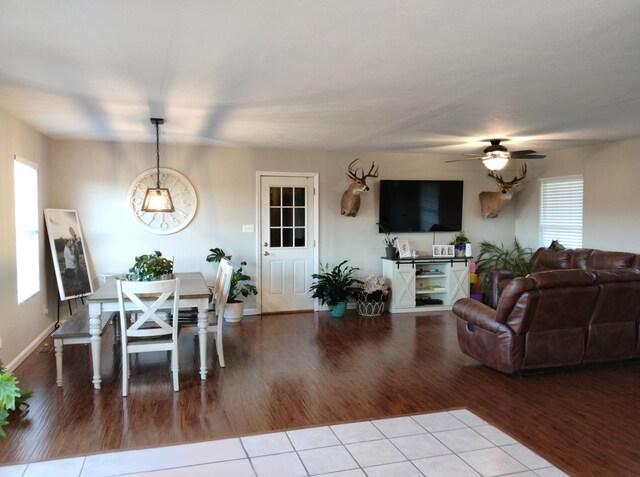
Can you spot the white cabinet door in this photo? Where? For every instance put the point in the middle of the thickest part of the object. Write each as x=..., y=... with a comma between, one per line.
x=403, y=294
x=458, y=282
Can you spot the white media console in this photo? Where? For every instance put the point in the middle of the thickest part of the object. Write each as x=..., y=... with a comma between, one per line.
x=426, y=284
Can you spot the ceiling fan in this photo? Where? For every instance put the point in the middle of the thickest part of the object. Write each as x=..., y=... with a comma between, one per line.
x=496, y=156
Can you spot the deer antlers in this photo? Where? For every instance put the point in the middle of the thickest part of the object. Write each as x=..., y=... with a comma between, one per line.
x=353, y=173
x=506, y=186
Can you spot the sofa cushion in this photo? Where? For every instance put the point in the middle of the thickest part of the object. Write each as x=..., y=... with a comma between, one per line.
x=545, y=259
x=601, y=260
x=562, y=278
x=579, y=258
x=613, y=276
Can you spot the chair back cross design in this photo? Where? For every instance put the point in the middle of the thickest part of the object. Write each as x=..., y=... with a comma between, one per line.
x=149, y=326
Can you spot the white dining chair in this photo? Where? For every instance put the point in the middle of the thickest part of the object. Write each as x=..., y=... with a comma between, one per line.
x=150, y=331
x=221, y=286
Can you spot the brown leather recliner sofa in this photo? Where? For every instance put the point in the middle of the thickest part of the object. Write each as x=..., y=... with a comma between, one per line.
x=558, y=317
x=581, y=258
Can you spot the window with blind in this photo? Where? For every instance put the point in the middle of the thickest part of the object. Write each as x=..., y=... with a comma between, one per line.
x=25, y=185
x=561, y=200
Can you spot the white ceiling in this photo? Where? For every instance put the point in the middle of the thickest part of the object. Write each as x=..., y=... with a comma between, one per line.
x=365, y=75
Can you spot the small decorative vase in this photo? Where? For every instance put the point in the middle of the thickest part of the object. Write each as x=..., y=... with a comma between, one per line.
x=390, y=251
x=339, y=309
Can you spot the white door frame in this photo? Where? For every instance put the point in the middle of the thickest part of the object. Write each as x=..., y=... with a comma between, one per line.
x=316, y=222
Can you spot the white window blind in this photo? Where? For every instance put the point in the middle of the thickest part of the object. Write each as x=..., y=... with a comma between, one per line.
x=561, y=200
x=25, y=182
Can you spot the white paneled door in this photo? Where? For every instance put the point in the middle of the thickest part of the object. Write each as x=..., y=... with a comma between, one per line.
x=287, y=242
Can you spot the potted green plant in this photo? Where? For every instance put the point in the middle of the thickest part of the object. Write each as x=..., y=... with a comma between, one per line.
x=389, y=241
x=12, y=398
x=335, y=286
x=516, y=260
x=460, y=241
x=240, y=286
x=150, y=267
x=373, y=296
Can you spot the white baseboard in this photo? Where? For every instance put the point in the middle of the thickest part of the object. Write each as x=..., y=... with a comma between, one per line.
x=251, y=311
x=11, y=366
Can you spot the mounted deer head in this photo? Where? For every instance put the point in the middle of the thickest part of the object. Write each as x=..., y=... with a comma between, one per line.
x=493, y=202
x=350, y=203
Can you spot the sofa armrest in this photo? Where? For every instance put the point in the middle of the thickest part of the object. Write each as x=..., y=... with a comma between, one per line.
x=478, y=314
x=497, y=281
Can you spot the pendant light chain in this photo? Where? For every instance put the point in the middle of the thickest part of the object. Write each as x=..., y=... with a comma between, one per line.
x=157, y=156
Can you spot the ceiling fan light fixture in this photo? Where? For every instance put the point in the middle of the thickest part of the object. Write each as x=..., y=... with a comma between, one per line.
x=157, y=199
x=496, y=160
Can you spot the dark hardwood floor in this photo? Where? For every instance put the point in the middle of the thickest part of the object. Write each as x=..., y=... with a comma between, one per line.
x=301, y=370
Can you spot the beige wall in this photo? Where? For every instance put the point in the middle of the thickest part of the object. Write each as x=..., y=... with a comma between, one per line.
x=93, y=177
x=611, y=194
x=20, y=325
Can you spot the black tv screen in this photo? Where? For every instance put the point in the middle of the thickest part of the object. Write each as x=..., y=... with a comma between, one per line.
x=421, y=206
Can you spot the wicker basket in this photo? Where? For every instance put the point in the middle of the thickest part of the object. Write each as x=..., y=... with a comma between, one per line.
x=367, y=307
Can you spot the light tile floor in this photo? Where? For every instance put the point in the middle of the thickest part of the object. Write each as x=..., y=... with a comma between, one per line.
x=442, y=444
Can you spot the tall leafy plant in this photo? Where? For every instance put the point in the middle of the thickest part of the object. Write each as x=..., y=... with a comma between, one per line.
x=12, y=397
x=516, y=260
x=240, y=282
x=335, y=285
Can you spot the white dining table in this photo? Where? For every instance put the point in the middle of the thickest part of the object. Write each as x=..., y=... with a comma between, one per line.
x=194, y=293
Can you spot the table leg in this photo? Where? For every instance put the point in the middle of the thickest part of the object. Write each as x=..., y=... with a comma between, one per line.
x=203, y=324
x=95, y=330
x=57, y=344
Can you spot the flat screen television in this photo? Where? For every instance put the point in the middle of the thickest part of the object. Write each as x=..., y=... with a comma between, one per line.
x=421, y=206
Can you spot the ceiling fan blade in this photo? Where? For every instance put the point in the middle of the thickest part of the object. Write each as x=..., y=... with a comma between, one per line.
x=473, y=155
x=463, y=160
x=530, y=156
x=519, y=153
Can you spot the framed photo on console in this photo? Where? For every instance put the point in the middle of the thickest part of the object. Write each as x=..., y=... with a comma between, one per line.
x=403, y=248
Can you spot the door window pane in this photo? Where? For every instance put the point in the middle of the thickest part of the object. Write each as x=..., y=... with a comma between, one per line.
x=287, y=216
x=274, y=196
x=287, y=237
x=275, y=237
x=274, y=216
x=299, y=198
x=287, y=196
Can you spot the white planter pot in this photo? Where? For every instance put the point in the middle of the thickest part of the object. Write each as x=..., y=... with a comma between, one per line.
x=233, y=312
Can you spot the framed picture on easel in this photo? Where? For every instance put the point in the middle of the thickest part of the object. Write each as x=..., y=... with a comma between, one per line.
x=68, y=252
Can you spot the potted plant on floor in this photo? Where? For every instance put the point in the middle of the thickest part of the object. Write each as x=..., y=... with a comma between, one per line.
x=516, y=260
x=12, y=398
x=373, y=296
x=335, y=286
x=389, y=241
x=240, y=286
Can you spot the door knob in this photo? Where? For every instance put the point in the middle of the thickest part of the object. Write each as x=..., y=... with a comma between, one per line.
x=266, y=244
x=265, y=253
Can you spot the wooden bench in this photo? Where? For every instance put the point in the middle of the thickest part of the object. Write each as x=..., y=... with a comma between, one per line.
x=75, y=331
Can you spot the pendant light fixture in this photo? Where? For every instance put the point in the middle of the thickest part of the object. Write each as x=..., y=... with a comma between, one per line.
x=157, y=199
